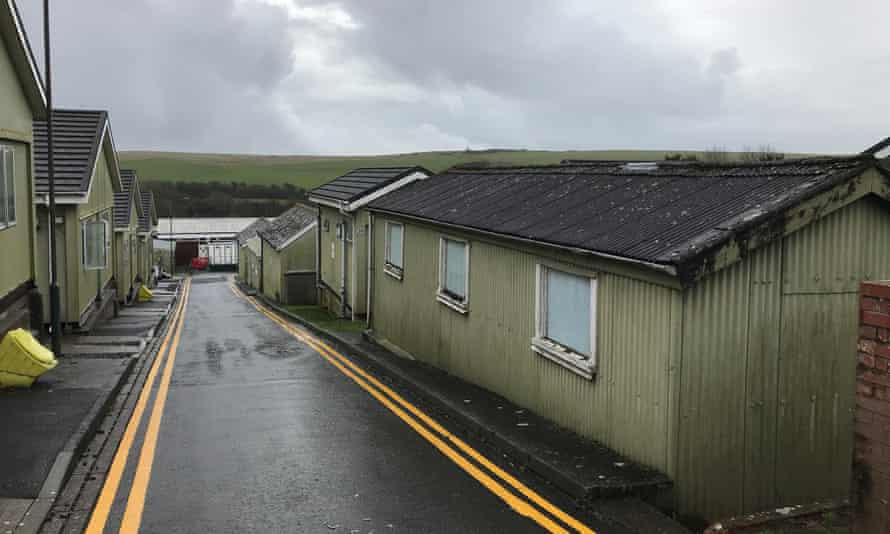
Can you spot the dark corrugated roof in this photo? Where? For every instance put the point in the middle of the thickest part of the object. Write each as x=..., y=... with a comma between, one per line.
x=148, y=200
x=287, y=225
x=880, y=146
x=667, y=213
x=123, y=199
x=251, y=230
x=77, y=140
x=361, y=182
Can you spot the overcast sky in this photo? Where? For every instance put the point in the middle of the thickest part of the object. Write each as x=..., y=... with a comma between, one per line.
x=378, y=76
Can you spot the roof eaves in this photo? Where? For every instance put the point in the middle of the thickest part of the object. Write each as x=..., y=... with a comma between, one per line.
x=35, y=90
x=708, y=242
x=664, y=268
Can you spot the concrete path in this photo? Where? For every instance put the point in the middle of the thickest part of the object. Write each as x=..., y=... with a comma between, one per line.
x=250, y=429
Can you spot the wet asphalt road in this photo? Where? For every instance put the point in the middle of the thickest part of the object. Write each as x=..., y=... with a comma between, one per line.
x=261, y=434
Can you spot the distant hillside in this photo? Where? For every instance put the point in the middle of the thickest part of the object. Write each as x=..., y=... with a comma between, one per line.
x=229, y=185
x=307, y=172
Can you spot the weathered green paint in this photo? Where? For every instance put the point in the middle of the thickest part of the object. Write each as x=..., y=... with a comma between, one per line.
x=740, y=387
x=331, y=255
x=16, y=115
x=249, y=263
x=297, y=256
x=18, y=240
x=78, y=286
x=16, y=119
x=126, y=264
x=625, y=406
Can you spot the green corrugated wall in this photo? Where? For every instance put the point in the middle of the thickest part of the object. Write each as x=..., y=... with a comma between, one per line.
x=780, y=327
x=298, y=256
x=16, y=120
x=626, y=406
x=739, y=388
x=99, y=205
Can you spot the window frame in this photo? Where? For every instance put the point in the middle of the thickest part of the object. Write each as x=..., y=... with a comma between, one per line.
x=83, y=244
x=579, y=363
x=7, y=151
x=390, y=268
x=442, y=295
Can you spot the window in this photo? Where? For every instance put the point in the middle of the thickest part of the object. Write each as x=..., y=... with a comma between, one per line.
x=566, y=321
x=95, y=246
x=395, y=242
x=7, y=187
x=454, y=271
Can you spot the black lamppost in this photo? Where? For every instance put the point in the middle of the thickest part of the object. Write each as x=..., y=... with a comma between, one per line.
x=54, y=307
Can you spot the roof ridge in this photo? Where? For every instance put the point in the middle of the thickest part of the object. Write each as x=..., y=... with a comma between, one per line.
x=577, y=163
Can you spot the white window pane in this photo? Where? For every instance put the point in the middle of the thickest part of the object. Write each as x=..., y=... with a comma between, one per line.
x=94, y=245
x=456, y=267
x=568, y=310
x=10, y=186
x=395, y=245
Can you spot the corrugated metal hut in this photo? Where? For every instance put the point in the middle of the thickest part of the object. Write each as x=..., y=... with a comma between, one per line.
x=87, y=177
x=287, y=257
x=343, y=233
x=148, y=226
x=127, y=210
x=21, y=101
x=699, y=318
x=249, y=253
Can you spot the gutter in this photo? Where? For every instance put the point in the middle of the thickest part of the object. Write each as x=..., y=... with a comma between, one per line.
x=670, y=270
x=318, y=253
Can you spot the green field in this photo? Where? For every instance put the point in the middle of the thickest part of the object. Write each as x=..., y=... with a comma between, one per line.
x=310, y=171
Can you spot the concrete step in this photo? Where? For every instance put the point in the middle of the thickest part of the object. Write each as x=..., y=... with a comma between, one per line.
x=104, y=340
x=99, y=351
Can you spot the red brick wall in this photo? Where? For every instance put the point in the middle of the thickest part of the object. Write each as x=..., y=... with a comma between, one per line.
x=871, y=485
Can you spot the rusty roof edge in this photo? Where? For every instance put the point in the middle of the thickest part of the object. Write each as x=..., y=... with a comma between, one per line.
x=704, y=244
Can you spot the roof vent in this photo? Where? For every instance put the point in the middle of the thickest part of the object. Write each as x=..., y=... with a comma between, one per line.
x=643, y=166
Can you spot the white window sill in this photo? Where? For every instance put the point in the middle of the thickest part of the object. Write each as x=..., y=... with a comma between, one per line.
x=395, y=272
x=459, y=307
x=4, y=226
x=578, y=364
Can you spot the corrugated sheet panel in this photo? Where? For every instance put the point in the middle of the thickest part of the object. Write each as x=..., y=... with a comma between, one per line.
x=625, y=406
x=659, y=214
x=769, y=364
x=712, y=403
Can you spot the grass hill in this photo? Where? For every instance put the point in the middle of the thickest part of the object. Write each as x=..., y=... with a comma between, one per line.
x=307, y=172
x=230, y=185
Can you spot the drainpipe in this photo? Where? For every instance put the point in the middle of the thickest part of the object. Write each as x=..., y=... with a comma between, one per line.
x=354, y=273
x=343, y=268
x=54, y=303
x=262, y=249
x=370, y=260
x=318, y=253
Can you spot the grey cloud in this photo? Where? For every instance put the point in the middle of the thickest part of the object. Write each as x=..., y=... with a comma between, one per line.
x=174, y=75
x=242, y=76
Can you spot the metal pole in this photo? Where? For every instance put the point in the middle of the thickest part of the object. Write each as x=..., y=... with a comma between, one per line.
x=54, y=306
x=172, y=243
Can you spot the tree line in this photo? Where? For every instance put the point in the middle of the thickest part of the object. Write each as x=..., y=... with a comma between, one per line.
x=223, y=199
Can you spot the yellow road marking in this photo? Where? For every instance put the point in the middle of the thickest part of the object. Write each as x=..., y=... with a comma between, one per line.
x=106, y=497
x=136, y=501
x=341, y=362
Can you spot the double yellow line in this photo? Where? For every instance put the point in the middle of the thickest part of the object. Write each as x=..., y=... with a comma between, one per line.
x=136, y=500
x=530, y=504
